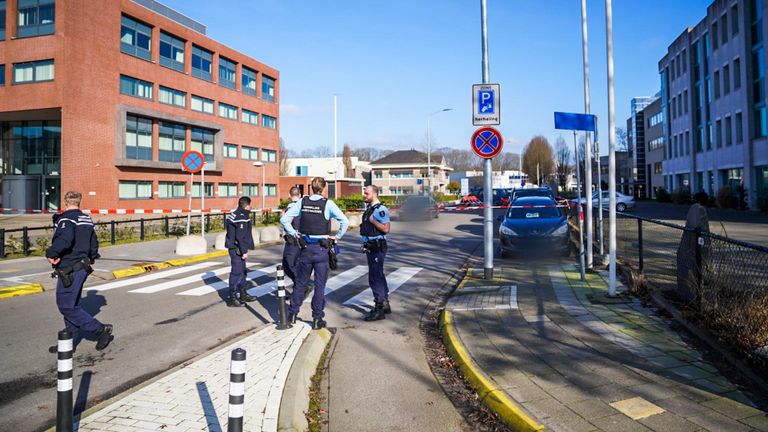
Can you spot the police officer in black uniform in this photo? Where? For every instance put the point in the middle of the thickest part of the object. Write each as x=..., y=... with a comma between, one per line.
x=238, y=241
x=292, y=249
x=373, y=230
x=74, y=248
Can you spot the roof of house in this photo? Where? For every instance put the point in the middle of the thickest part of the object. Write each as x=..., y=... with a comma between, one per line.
x=407, y=157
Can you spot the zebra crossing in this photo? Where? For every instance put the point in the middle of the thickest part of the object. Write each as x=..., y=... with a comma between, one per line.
x=209, y=277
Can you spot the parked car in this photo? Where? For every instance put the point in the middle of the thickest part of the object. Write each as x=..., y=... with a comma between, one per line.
x=534, y=224
x=623, y=202
x=419, y=208
x=531, y=192
x=501, y=197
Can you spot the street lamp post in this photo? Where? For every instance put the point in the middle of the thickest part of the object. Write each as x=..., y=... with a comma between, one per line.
x=263, y=180
x=429, y=147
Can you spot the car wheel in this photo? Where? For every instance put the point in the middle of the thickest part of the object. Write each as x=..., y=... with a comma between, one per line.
x=620, y=207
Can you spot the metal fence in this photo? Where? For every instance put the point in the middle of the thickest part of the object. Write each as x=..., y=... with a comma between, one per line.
x=724, y=281
x=27, y=240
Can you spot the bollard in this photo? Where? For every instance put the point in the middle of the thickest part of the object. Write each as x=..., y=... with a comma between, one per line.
x=236, y=391
x=25, y=240
x=167, y=227
x=64, y=418
x=2, y=243
x=640, y=243
x=283, y=324
x=112, y=232
x=141, y=229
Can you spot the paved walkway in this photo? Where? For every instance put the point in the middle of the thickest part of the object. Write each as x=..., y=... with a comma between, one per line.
x=195, y=397
x=574, y=361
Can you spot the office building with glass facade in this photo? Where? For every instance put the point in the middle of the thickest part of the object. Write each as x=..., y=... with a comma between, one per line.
x=714, y=103
x=104, y=97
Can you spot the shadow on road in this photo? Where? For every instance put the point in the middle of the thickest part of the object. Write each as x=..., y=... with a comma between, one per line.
x=208, y=409
x=82, y=396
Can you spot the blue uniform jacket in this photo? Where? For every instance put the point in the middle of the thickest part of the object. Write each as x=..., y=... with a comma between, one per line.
x=239, y=234
x=381, y=215
x=74, y=239
x=331, y=211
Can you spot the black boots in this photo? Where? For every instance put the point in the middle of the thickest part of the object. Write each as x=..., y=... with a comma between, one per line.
x=244, y=296
x=318, y=323
x=232, y=301
x=385, y=306
x=377, y=313
x=103, y=336
x=291, y=318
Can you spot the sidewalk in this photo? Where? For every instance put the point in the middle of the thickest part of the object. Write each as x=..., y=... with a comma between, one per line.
x=195, y=397
x=554, y=352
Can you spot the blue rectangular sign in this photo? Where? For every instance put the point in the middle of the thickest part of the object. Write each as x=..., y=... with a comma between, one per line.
x=575, y=121
x=485, y=99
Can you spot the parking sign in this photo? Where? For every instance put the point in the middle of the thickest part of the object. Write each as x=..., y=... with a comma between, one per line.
x=486, y=109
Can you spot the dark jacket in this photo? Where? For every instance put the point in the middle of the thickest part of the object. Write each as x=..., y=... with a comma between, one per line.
x=74, y=239
x=239, y=235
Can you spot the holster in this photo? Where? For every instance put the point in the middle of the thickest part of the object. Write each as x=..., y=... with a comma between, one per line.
x=291, y=240
x=378, y=245
x=66, y=273
x=325, y=243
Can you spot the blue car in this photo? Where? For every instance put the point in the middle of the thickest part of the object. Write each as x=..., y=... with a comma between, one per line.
x=533, y=225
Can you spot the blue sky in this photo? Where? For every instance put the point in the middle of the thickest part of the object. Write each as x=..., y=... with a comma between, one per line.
x=393, y=62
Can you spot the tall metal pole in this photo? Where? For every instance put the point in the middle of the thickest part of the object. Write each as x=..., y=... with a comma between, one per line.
x=581, y=215
x=487, y=168
x=263, y=186
x=429, y=155
x=601, y=237
x=611, y=153
x=335, y=148
x=202, y=202
x=588, y=141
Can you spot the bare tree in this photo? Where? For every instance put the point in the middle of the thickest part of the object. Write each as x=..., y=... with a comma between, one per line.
x=538, y=162
x=622, y=140
x=370, y=154
x=284, y=155
x=563, y=162
x=346, y=157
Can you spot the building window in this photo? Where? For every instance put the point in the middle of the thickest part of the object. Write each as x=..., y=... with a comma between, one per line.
x=685, y=61
x=39, y=71
x=401, y=190
x=249, y=153
x=171, y=52
x=709, y=135
x=196, y=190
x=267, y=88
x=135, y=38
x=685, y=100
x=302, y=170
x=718, y=133
x=728, y=132
x=227, y=111
x=138, y=138
x=736, y=74
x=227, y=190
x=172, y=189
x=739, y=129
x=201, y=104
x=761, y=123
x=250, y=189
x=401, y=174
x=250, y=117
x=173, y=141
x=268, y=122
x=170, y=96
x=270, y=190
x=2, y=75
x=2, y=20
x=723, y=29
x=227, y=73
x=717, y=84
x=657, y=168
x=726, y=79
x=135, y=87
x=378, y=175
x=735, y=19
x=36, y=18
x=655, y=119
x=129, y=189
x=714, y=36
x=202, y=141
x=249, y=81
x=201, y=63
x=268, y=155
x=230, y=151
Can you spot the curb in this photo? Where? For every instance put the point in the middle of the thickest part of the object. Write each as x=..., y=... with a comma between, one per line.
x=295, y=400
x=492, y=396
x=20, y=290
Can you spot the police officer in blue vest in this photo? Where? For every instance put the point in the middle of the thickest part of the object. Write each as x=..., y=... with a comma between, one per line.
x=74, y=248
x=292, y=248
x=315, y=213
x=373, y=230
x=238, y=241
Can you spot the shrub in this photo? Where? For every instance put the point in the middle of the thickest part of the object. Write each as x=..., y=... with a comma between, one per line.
x=283, y=203
x=662, y=196
x=701, y=198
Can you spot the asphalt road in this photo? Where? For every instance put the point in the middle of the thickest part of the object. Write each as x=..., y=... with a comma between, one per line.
x=379, y=376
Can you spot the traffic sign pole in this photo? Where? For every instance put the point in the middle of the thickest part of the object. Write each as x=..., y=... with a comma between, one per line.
x=191, y=184
x=581, y=215
x=487, y=168
x=202, y=203
x=193, y=161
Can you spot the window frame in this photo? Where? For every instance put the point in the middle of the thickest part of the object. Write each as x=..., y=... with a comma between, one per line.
x=136, y=184
x=174, y=95
x=227, y=147
x=197, y=72
x=244, y=149
x=224, y=66
x=268, y=122
x=203, y=144
x=38, y=28
x=246, y=73
x=172, y=185
x=228, y=111
x=268, y=155
x=251, y=116
x=133, y=49
x=136, y=85
x=173, y=42
x=228, y=186
x=35, y=64
x=131, y=120
x=267, y=90
x=270, y=190
x=3, y=16
x=248, y=189
x=174, y=140
x=203, y=101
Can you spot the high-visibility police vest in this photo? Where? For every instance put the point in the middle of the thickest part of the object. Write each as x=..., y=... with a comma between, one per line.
x=312, y=217
x=367, y=228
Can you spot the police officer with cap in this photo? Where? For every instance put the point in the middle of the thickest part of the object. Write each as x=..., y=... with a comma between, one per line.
x=292, y=249
x=315, y=213
x=238, y=241
x=74, y=248
x=373, y=230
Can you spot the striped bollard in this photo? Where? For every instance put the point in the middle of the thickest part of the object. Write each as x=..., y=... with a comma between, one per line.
x=236, y=391
x=64, y=418
x=283, y=324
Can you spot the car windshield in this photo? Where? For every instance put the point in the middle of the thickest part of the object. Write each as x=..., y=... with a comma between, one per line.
x=417, y=202
x=531, y=192
x=548, y=212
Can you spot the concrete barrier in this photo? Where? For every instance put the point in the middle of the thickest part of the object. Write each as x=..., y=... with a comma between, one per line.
x=269, y=233
x=191, y=245
x=220, y=239
x=354, y=220
x=256, y=235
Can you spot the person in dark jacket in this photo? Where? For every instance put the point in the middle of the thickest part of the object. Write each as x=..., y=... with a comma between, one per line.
x=238, y=241
x=373, y=231
x=292, y=249
x=74, y=248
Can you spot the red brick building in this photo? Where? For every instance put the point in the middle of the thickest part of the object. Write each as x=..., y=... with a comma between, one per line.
x=105, y=96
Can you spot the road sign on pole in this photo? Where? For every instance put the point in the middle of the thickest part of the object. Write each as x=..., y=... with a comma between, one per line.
x=192, y=161
x=486, y=104
x=486, y=142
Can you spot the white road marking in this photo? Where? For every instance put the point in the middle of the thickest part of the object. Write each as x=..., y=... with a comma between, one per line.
x=342, y=279
x=183, y=281
x=220, y=285
x=394, y=280
x=150, y=277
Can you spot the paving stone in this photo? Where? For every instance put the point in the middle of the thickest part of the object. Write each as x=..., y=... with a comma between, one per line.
x=526, y=393
x=653, y=391
x=715, y=421
x=731, y=408
x=759, y=422
x=569, y=393
x=637, y=408
x=612, y=393
x=669, y=422
x=682, y=406
x=558, y=416
x=619, y=422
x=592, y=408
x=690, y=372
x=711, y=385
